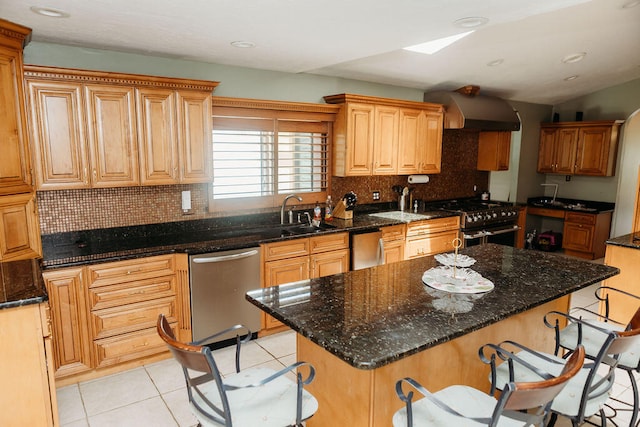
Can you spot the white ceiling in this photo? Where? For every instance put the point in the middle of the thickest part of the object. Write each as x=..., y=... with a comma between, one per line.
x=363, y=39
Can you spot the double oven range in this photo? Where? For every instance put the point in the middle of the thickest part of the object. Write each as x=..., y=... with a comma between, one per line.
x=482, y=221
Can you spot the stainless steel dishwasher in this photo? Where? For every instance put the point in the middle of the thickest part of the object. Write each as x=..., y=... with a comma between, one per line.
x=219, y=282
x=367, y=249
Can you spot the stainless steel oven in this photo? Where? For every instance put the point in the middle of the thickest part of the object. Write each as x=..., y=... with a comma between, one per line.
x=483, y=221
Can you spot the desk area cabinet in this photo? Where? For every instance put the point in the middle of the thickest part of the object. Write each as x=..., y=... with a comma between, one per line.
x=579, y=148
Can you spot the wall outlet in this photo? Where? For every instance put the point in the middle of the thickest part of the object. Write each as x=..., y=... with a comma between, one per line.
x=376, y=195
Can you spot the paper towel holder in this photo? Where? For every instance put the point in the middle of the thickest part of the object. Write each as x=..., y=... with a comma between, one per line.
x=418, y=179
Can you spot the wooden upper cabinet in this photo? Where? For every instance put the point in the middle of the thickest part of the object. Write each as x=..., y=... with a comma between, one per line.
x=99, y=129
x=493, y=151
x=15, y=167
x=112, y=136
x=385, y=140
x=194, y=136
x=596, y=153
x=58, y=135
x=382, y=136
x=579, y=148
x=355, y=137
x=157, y=136
x=557, y=151
x=431, y=145
x=19, y=228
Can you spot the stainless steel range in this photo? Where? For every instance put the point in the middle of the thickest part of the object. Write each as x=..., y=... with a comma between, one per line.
x=483, y=221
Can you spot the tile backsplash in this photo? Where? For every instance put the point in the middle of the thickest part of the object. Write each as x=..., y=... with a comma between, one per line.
x=73, y=210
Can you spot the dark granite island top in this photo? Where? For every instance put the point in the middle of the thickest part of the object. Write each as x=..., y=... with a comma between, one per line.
x=366, y=329
x=372, y=317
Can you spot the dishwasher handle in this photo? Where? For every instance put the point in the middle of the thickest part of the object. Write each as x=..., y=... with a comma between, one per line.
x=223, y=258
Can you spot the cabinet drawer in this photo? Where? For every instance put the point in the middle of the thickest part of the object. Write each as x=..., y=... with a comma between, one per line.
x=554, y=213
x=393, y=232
x=122, y=348
x=130, y=270
x=132, y=317
x=286, y=249
x=580, y=218
x=441, y=242
x=329, y=242
x=431, y=226
x=129, y=293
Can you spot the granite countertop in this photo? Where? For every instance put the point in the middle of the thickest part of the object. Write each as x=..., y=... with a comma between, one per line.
x=191, y=237
x=573, y=205
x=21, y=283
x=372, y=317
x=631, y=240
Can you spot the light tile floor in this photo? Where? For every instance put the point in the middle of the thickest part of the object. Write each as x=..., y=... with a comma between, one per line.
x=155, y=394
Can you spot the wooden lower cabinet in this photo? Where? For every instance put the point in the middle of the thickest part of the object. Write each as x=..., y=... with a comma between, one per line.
x=105, y=314
x=431, y=236
x=302, y=259
x=585, y=235
x=393, y=238
x=28, y=397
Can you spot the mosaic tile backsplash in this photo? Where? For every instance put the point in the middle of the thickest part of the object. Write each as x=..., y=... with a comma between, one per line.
x=73, y=210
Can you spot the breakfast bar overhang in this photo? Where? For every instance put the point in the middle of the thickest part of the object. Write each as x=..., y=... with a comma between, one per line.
x=366, y=329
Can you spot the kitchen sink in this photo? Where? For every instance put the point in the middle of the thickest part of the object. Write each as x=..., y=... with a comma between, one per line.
x=297, y=229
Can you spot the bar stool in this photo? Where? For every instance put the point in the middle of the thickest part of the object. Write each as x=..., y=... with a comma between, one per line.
x=592, y=332
x=251, y=397
x=585, y=394
x=520, y=404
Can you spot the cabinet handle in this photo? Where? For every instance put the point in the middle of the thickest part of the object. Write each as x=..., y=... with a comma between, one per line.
x=134, y=271
x=86, y=176
x=144, y=344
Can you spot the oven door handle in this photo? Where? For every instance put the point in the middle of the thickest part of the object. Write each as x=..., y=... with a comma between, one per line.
x=503, y=231
x=477, y=235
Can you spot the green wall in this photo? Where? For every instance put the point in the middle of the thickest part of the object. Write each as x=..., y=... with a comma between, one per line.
x=235, y=82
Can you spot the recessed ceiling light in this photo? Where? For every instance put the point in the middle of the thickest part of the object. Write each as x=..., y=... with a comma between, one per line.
x=243, y=44
x=47, y=11
x=568, y=79
x=630, y=4
x=574, y=57
x=495, y=62
x=436, y=45
x=470, y=22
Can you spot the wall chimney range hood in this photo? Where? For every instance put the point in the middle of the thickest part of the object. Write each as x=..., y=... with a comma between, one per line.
x=465, y=108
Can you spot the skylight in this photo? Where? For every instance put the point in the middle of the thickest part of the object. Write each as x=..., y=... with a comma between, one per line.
x=434, y=46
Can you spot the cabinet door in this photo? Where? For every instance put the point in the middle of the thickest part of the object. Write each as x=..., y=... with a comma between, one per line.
x=328, y=263
x=493, y=151
x=157, y=136
x=194, y=137
x=112, y=136
x=19, y=229
x=58, y=135
x=393, y=251
x=578, y=237
x=67, y=297
x=547, y=150
x=360, y=130
x=280, y=272
x=566, y=145
x=431, y=142
x=15, y=167
x=593, y=151
x=28, y=396
x=409, y=149
x=385, y=141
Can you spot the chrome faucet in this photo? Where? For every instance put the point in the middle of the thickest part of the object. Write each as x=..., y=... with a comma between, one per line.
x=555, y=191
x=284, y=205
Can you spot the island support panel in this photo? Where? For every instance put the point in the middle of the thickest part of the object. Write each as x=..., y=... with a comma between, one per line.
x=356, y=397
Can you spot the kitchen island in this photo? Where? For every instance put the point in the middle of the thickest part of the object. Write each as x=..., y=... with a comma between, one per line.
x=363, y=330
x=623, y=252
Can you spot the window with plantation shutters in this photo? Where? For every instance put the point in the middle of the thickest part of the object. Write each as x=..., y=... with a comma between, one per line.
x=258, y=160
